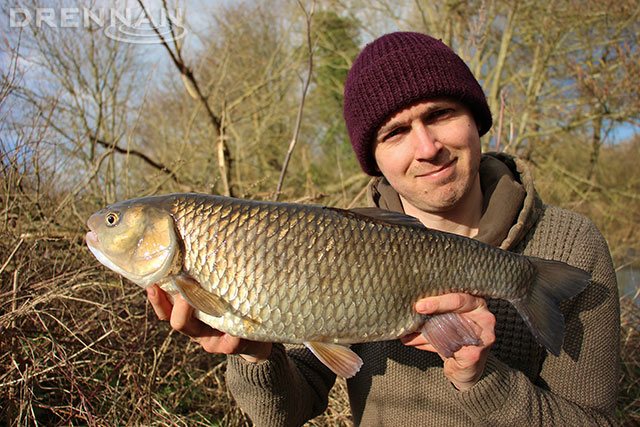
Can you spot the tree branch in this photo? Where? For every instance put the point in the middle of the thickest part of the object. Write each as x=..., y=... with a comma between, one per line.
x=193, y=88
x=148, y=160
x=302, y=98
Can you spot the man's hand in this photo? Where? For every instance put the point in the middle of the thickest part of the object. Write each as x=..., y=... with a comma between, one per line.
x=180, y=317
x=466, y=366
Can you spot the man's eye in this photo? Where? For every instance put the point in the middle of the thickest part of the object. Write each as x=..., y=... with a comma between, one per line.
x=393, y=132
x=440, y=113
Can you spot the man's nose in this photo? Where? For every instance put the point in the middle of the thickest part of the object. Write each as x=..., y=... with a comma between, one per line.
x=424, y=141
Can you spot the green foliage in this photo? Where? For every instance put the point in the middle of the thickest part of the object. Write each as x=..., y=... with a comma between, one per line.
x=336, y=47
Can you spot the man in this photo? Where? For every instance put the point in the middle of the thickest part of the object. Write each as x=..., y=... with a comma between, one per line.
x=415, y=115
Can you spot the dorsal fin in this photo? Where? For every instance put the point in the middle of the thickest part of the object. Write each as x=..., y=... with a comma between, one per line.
x=381, y=216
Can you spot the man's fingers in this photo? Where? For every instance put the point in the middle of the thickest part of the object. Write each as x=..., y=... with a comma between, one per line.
x=456, y=302
x=182, y=320
x=417, y=340
x=180, y=317
x=159, y=302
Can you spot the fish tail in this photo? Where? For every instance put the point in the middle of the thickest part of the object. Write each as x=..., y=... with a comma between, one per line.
x=555, y=282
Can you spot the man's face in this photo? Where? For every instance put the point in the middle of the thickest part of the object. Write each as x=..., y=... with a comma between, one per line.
x=430, y=154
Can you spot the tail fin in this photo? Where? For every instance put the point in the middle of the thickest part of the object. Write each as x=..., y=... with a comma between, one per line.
x=555, y=282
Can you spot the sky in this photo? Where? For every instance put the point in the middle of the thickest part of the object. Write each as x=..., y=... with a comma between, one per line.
x=197, y=15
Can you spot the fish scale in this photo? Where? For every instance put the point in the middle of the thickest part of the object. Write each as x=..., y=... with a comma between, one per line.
x=283, y=272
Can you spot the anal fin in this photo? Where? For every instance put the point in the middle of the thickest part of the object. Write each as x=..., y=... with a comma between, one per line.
x=340, y=359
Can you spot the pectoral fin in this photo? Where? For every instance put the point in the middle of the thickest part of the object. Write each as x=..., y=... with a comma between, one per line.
x=338, y=358
x=203, y=300
x=199, y=298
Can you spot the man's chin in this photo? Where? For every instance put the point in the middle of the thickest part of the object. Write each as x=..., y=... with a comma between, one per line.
x=432, y=205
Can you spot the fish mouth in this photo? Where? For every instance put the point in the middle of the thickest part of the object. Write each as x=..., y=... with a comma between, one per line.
x=92, y=239
x=93, y=243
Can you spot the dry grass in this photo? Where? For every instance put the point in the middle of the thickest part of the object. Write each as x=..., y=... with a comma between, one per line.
x=80, y=347
x=629, y=393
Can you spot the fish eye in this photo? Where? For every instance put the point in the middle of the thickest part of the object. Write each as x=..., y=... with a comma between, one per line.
x=112, y=219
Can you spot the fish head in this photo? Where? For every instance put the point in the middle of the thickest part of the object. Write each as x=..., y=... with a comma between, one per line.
x=134, y=239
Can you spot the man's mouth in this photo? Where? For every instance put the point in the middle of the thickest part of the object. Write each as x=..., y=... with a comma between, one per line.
x=438, y=171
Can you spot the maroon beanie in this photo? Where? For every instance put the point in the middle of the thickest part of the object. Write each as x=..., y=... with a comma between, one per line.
x=396, y=71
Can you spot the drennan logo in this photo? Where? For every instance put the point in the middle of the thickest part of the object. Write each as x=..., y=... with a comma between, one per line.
x=126, y=25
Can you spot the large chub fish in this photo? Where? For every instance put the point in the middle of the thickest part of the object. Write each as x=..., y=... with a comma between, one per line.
x=321, y=276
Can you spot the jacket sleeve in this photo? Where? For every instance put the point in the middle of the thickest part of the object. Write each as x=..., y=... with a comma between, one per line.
x=287, y=389
x=580, y=386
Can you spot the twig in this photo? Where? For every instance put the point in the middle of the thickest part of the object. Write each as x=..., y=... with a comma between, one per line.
x=79, y=187
x=500, y=120
x=302, y=98
x=136, y=153
x=593, y=185
x=358, y=196
x=221, y=146
x=11, y=255
x=14, y=302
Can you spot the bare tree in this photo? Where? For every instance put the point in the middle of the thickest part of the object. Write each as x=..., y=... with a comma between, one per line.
x=247, y=69
x=81, y=85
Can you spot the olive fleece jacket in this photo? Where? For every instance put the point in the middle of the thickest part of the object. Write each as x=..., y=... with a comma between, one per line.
x=522, y=383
